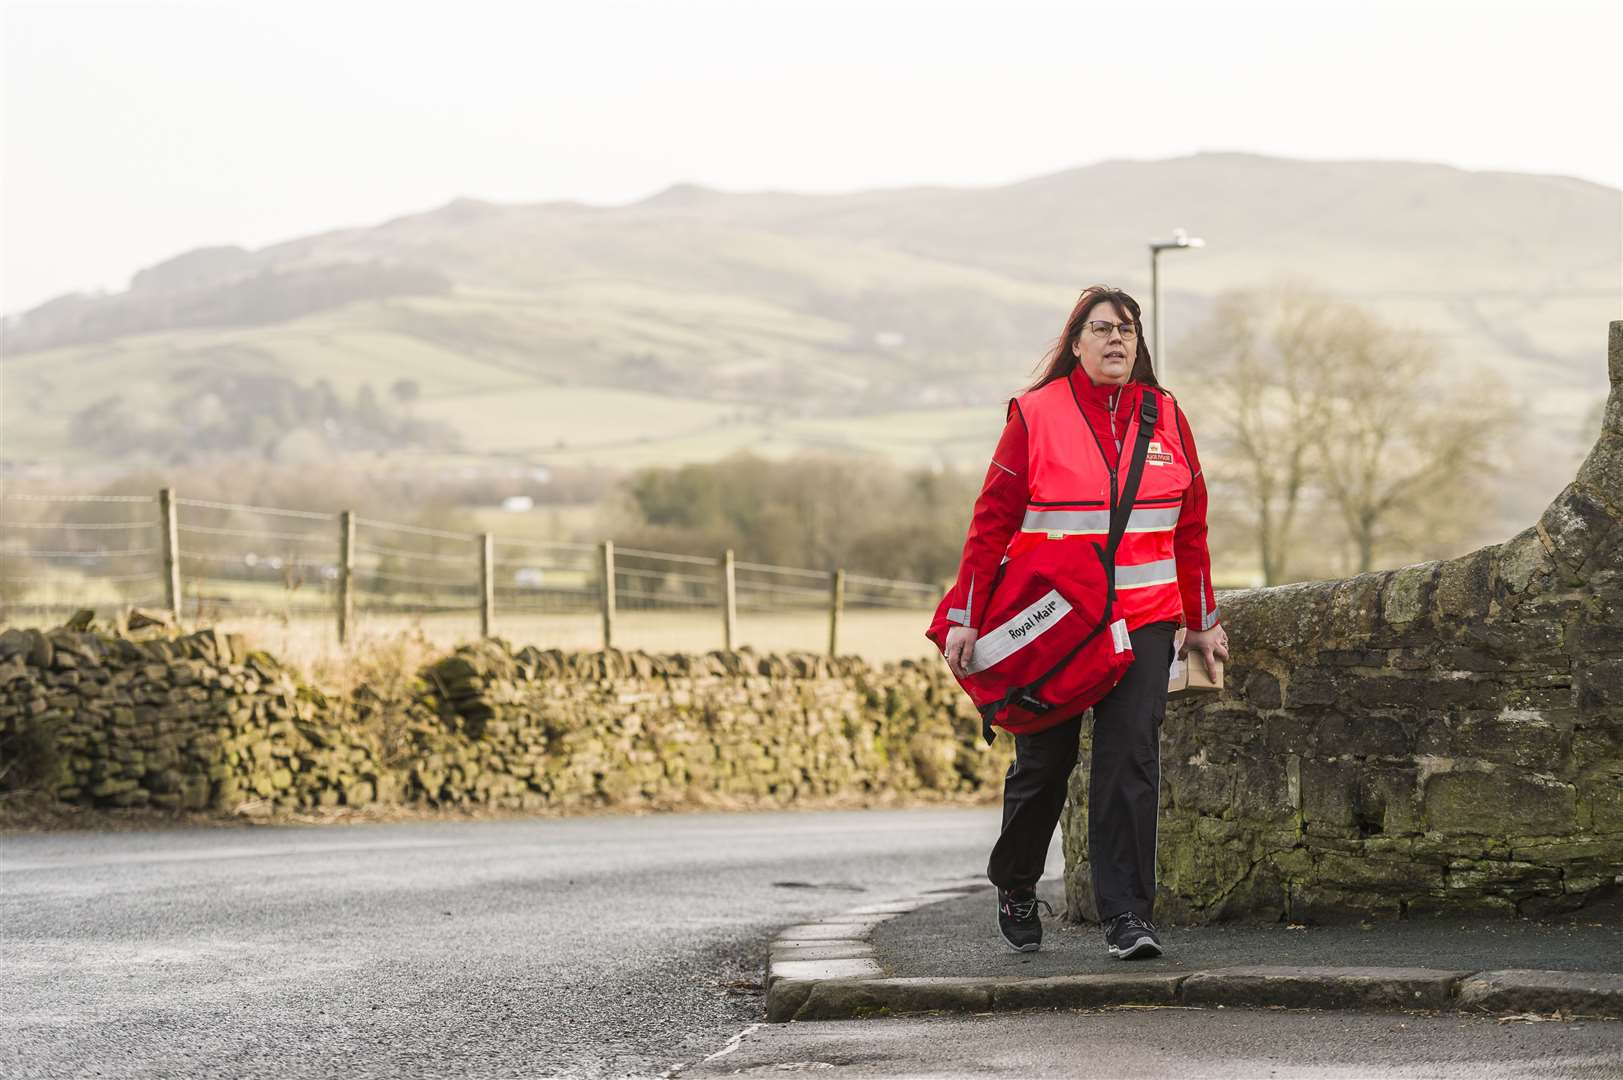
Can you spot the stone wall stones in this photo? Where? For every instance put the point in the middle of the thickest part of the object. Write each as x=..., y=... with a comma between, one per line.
x=200, y=722
x=632, y=727
x=183, y=722
x=1441, y=738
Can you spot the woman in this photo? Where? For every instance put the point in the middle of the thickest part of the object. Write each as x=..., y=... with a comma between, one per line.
x=1059, y=454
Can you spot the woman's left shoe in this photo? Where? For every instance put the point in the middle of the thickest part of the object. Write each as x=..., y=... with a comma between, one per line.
x=1132, y=938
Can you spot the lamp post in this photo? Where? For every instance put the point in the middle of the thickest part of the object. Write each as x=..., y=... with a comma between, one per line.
x=1180, y=239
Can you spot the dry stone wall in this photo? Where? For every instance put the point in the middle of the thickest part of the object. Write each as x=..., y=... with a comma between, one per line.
x=201, y=722
x=556, y=728
x=182, y=723
x=1442, y=738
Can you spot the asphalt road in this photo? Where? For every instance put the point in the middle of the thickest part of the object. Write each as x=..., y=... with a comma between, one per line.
x=605, y=946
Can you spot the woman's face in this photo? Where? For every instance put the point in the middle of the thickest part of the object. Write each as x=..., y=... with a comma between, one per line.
x=1107, y=360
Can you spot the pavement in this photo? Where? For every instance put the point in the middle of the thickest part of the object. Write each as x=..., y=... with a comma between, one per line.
x=939, y=950
x=1177, y=1043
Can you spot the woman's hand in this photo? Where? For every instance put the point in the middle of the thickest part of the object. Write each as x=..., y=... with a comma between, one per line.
x=1208, y=643
x=960, y=644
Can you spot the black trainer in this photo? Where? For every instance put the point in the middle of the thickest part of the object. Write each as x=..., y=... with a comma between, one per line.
x=1131, y=938
x=1017, y=918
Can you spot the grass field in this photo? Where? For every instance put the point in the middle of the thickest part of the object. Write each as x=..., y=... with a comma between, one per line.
x=877, y=636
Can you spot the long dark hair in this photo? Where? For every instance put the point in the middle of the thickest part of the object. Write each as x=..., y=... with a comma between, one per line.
x=1059, y=361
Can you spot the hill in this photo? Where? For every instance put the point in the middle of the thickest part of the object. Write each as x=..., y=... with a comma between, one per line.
x=696, y=322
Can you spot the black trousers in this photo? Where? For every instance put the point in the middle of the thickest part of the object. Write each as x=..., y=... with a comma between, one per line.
x=1124, y=786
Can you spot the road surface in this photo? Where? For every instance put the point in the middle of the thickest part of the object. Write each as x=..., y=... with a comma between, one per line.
x=609, y=946
x=601, y=946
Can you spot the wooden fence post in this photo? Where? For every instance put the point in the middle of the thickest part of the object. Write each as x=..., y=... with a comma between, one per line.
x=606, y=549
x=729, y=601
x=836, y=603
x=487, y=579
x=346, y=573
x=171, y=551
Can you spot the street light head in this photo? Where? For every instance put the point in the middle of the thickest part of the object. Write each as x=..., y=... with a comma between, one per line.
x=1180, y=239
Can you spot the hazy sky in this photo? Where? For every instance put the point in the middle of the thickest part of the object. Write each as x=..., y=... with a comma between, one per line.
x=135, y=131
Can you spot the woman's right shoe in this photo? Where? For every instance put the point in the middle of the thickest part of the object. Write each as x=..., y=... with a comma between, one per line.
x=1131, y=938
x=1017, y=918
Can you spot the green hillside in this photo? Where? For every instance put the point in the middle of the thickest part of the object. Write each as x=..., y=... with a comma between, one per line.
x=698, y=322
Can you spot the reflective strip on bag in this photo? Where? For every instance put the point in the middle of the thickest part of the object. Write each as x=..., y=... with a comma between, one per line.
x=1020, y=630
x=1160, y=572
x=1142, y=519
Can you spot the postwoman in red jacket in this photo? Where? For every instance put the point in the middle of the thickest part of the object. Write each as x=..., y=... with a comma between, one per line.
x=1051, y=477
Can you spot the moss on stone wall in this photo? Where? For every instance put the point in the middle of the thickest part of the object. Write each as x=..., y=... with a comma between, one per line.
x=1441, y=738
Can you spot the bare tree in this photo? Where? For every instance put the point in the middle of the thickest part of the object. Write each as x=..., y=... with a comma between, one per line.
x=1322, y=406
x=1264, y=359
x=1404, y=456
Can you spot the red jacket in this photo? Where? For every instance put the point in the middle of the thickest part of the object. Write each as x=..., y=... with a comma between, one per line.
x=1001, y=507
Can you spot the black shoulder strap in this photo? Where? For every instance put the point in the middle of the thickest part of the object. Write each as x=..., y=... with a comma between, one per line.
x=1149, y=411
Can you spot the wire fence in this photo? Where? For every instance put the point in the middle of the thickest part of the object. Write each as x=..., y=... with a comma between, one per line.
x=204, y=561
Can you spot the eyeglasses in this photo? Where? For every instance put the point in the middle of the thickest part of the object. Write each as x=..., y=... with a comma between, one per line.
x=1102, y=329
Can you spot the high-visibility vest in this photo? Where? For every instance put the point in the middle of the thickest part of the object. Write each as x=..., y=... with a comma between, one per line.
x=1072, y=490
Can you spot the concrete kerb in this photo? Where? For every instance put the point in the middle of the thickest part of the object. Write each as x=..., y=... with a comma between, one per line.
x=837, y=949
x=826, y=970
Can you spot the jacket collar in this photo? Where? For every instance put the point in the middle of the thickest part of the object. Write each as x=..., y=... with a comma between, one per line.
x=1105, y=395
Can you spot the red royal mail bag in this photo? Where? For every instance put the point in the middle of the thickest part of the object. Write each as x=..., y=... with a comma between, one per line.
x=1050, y=646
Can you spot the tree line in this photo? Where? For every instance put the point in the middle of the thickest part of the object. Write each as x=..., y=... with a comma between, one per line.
x=816, y=511
x=265, y=414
